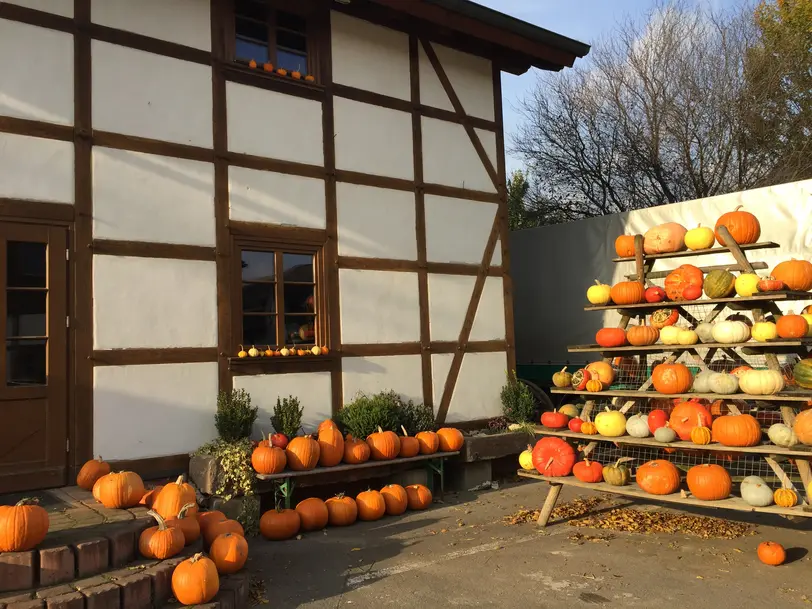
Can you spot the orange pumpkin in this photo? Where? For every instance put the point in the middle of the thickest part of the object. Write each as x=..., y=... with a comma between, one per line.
x=312, y=513
x=174, y=496
x=664, y=317
x=771, y=553
x=331, y=446
x=658, y=477
x=796, y=274
x=91, y=472
x=395, y=498
x=803, y=427
x=429, y=442
x=162, y=541
x=206, y=519
x=150, y=496
x=302, y=453
x=682, y=278
x=611, y=337
x=267, y=459
x=211, y=532
x=383, y=445
x=195, y=580
x=672, y=378
x=342, y=511
x=326, y=423
x=355, y=451
x=792, y=326
x=642, y=335
x=451, y=439
x=23, y=526
x=686, y=416
x=418, y=497
x=187, y=523
x=624, y=246
x=604, y=371
x=743, y=226
x=409, y=446
x=709, y=482
x=665, y=238
x=627, y=292
x=121, y=490
x=229, y=553
x=371, y=505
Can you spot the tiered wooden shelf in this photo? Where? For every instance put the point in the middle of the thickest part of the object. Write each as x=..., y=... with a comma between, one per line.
x=759, y=304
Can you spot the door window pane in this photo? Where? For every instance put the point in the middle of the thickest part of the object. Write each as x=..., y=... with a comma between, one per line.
x=298, y=268
x=25, y=362
x=26, y=265
x=299, y=298
x=25, y=314
x=258, y=330
x=300, y=329
x=292, y=62
x=257, y=266
x=259, y=298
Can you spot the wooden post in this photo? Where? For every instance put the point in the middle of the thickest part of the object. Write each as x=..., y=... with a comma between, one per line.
x=549, y=504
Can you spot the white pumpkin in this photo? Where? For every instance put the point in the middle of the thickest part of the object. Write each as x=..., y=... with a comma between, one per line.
x=705, y=332
x=724, y=383
x=637, y=426
x=761, y=382
x=611, y=423
x=729, y=332
x=665, y=434
x=782, y=435
x=687, y=337
x=702, y=380
x=670, y=335
x=755, y=492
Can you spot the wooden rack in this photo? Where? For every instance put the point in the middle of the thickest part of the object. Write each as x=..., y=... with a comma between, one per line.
x=759, y=305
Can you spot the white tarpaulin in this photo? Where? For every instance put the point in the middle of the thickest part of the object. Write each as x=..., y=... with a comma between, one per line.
x=552, y=266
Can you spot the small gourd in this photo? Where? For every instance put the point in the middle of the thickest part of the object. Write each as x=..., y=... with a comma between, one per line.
x=782, y=435
x=562, y=379
x=687, y=337
x=755, y=492
x=700, y=434
x=253, y=352
x=242, y=353
x=637, y=426
x=617, y=474
x=526, y=459
x=594, y=385
x=598, y=294
x=610, y=423
x=705, y=332
x=588, y=428
x=723, y=383
x=747, y=284
x=284, y=352
x=785, y=497
x=316, y=350
x=702, y=382
x=670, y=335
x=764, y=331
x=665, y=434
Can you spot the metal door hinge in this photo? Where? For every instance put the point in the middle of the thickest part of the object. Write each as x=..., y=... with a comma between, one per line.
x=67, y=445
x=67, y=254
x=67, y=321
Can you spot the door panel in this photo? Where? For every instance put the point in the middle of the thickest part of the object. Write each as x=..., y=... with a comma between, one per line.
x=33, y=362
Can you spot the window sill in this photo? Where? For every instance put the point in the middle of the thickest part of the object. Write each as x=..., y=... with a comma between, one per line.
x=243, y=366
x=257, y=77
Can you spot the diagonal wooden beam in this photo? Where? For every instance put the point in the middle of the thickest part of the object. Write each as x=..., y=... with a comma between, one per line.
x=455, y=101
x=468, y=323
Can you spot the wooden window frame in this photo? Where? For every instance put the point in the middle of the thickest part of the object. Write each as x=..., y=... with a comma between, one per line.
x=280, y=246
x=310, y=10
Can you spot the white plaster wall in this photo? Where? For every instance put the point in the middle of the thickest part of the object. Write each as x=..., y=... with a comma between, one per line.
x=153, y=303
x=186, y=22
x=375, y=140
x=450, y=158
x=488, y=140
x=275, y=198
x=400, y=373
x=476, y=392
x=376, y=222
x=274, y=125
x=489, y=322
x=379, y=307
x=147, y=95
x=370, y=57
x=36, y=168
x=131, y=190
x=153, y=410
x=449, y=296
x=471, y=78
x=57, y=7
x=497, y=254
x=457, y=230
x=313, y=389
x=41, y=87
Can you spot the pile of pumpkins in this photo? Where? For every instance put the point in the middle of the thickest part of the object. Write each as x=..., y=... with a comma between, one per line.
x=328, y=448
x=313, y=514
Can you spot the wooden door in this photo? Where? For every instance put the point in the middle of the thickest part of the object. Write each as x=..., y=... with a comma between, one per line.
x=33, y=356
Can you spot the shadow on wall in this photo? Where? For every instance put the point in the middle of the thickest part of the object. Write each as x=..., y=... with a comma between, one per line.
x=552, y=266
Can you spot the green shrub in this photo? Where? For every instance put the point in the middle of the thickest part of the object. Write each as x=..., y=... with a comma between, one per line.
x=287, y=416
x=235, y=416
x=366, y=413
x=518, y=403
x=416, y=417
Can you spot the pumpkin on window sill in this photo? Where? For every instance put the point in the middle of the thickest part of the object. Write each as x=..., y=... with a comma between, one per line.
x=267, y=66
x=282, y=71
x=296, y=75
x=252, y=64
x=310, y=78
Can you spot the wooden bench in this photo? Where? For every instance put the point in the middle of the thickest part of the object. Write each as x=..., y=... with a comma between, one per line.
x=282, y=484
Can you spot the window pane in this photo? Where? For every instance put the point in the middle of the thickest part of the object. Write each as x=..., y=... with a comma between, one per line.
x=257, y=266
x=258, y=330
x=300, y=329
x=25, y=362
x=299, y=298
x=259, y=298
x=247, y=50
x=291, y=61
x=291, y=41
x=25, y=267
x=25, y=315
x=256, y=9
x=298, y=267
x=291, y=22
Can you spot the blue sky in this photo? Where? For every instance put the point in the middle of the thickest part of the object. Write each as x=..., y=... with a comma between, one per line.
x=584, y=20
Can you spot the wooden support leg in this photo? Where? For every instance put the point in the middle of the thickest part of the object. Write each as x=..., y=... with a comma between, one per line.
x=549, y=504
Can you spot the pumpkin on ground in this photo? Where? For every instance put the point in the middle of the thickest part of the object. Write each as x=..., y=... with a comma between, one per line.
x=313, y=515
x=396, y=500
x=342, y=510
x=357, y=451
x=588, y=471
x=451, y=440
x=418, y=497
x=792, y=326
x=617, y=474
x=785, y=497
x=123, y=490
x=188, y=524
x=686, y=416
x=611, y=423
x=624, y=246
x=161, y=542
x=642, y=335
x=627, y=292
x=771, y=553
x=605, y=372
x=795, y=274
x=562, y=379
x=302, y=453
x=91, y=472
x=554, y=420
x=206, y=519
x=699, y=238
x=743, y=227
x=761, y=382
x=664, y=317
x=211, y=531
x=665, y=238
x=553, y=457
x=278, y=524
x=782, y=435
x=371, y=505
x=268, y=459
x=671, y=377
x=229, y=553
x=747, y=284
x=763, y=331
x=599, y=294
x=331, y=446
x=149, y=497
x=610, y=337
x=802, y=373
x=737, y=430
x=709, y=482
x=174, y=496
x=719, y=284
x=682, y=278
x=23, y=526
x=409, y=446
x=383, y=445
x=195, y=580
x=658, y=477
x=755, y=492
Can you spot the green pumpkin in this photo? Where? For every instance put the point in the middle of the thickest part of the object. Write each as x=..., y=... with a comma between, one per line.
x=719, y=284
x=803, y=373
x=617, y=474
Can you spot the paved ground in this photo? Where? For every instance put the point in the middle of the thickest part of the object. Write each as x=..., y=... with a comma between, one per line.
x=461, y=554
